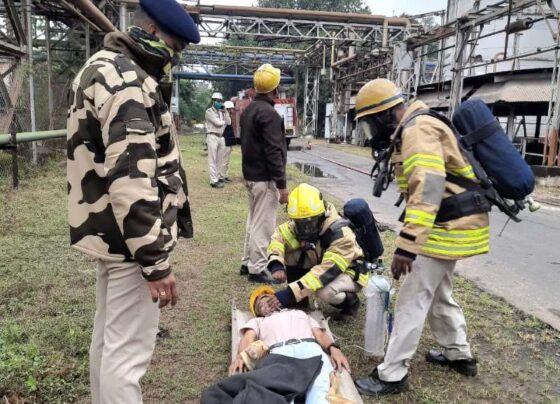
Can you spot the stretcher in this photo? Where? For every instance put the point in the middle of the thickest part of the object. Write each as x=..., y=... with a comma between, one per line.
x=240, y=317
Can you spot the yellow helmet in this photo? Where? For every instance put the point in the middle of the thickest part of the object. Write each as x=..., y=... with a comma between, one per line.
x=261, y=290
x=266, y=78
x=304, y=202
x=376, y=96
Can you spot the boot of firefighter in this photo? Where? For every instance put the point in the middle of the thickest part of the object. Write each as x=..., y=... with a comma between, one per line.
x=348, y=308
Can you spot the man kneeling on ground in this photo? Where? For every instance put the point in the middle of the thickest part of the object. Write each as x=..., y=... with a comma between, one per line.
x=285, y=334
x=316, y=251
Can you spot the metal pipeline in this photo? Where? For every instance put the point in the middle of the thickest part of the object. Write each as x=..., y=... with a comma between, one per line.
x=32, y=136
x=344, y=60
x=89, y=9
x=519, y=25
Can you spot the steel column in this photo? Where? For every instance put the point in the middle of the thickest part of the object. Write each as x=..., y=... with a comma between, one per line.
x=28, y=5
x=88, y=43
x=122, y=17
x=311, y=101
x=49, y=72
x=461, y=40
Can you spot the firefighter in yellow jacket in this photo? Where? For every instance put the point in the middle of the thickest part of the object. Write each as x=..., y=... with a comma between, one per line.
x=316, y=252
x=426, y=158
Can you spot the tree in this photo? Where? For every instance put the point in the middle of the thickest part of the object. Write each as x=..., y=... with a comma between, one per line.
x=194, y=98
x=343, y=6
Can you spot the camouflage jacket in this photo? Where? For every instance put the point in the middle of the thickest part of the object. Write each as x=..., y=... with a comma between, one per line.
x=126, y=184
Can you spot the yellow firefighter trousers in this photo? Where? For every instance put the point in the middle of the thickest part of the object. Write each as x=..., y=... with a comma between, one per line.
x=124, y=333
x=426, y=292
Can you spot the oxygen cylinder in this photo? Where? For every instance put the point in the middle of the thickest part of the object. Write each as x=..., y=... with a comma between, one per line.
x=377, y=295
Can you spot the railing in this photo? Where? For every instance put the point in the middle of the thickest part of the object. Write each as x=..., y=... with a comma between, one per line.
x=7, y=140
x=9, y=143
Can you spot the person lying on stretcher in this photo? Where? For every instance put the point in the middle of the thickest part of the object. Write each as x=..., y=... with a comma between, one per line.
x=291, y=333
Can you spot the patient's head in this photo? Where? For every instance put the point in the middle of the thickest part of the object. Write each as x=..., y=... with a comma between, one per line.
x=259, y=301
x=262, y=307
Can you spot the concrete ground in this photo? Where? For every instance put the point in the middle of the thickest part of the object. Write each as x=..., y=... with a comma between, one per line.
x=523, y=266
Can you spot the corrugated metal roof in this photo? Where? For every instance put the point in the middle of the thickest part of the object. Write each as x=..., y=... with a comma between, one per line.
x=438, y=99
x=510, y=91
x=515, y=90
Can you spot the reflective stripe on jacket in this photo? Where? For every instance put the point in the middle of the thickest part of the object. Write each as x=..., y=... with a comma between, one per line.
x=429, y=151
x=334, y=254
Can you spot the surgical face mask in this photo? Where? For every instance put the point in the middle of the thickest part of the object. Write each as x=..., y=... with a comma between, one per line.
x=378, y=128
x=218, y=104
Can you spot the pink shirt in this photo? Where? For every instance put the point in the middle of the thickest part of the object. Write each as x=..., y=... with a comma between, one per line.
x=282, y=326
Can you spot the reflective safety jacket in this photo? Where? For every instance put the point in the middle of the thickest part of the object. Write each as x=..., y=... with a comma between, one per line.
x=429, y=151
x=335, y=253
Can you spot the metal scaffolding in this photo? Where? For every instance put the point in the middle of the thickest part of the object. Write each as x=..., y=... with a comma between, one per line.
x=459, y=39
x=66, y=32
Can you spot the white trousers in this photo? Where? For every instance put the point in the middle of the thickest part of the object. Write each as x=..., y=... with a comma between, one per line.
x=124, y=333
x=261, y=223
x=216, y=150
x=224, y=167
x=426, y=292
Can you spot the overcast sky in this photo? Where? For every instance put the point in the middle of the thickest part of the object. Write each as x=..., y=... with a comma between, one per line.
x=385, y=7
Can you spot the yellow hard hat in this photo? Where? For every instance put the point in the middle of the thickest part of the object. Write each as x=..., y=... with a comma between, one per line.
x=376, y=96
x=305, y=201
x=266, y=78
x=261, y=290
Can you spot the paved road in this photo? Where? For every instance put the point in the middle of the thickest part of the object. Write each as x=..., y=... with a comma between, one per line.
x=523, y=266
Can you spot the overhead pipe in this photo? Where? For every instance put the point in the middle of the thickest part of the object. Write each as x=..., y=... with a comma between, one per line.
x=224, y=77
x=519, y=25
x=247, y=11
x=89, y=9
x=344, y=60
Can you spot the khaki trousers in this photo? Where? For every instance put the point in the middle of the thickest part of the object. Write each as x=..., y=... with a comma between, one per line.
x=261, y=223
x=124, y=333
x=216, y=150
x=426, y=292
x=224, y=168
x=334, y=292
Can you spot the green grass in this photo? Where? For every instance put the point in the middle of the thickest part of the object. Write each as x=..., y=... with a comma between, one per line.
x=47, y=307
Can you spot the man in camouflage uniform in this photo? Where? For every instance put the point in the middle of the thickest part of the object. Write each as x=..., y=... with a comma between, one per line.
x=127, y=195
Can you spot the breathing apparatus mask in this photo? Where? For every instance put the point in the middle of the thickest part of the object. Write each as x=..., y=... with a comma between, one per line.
x=378, y=128
x=309, y=228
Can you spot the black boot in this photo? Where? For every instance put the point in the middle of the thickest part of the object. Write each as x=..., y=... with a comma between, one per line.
x=466, y=367
x=244, y=270
x=372, y=385
x=348, y=308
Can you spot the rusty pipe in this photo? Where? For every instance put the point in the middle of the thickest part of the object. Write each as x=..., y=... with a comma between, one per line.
x=89, y=9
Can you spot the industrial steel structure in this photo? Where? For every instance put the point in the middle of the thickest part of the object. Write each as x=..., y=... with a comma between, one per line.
x=441, y=66
x=504, y=52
